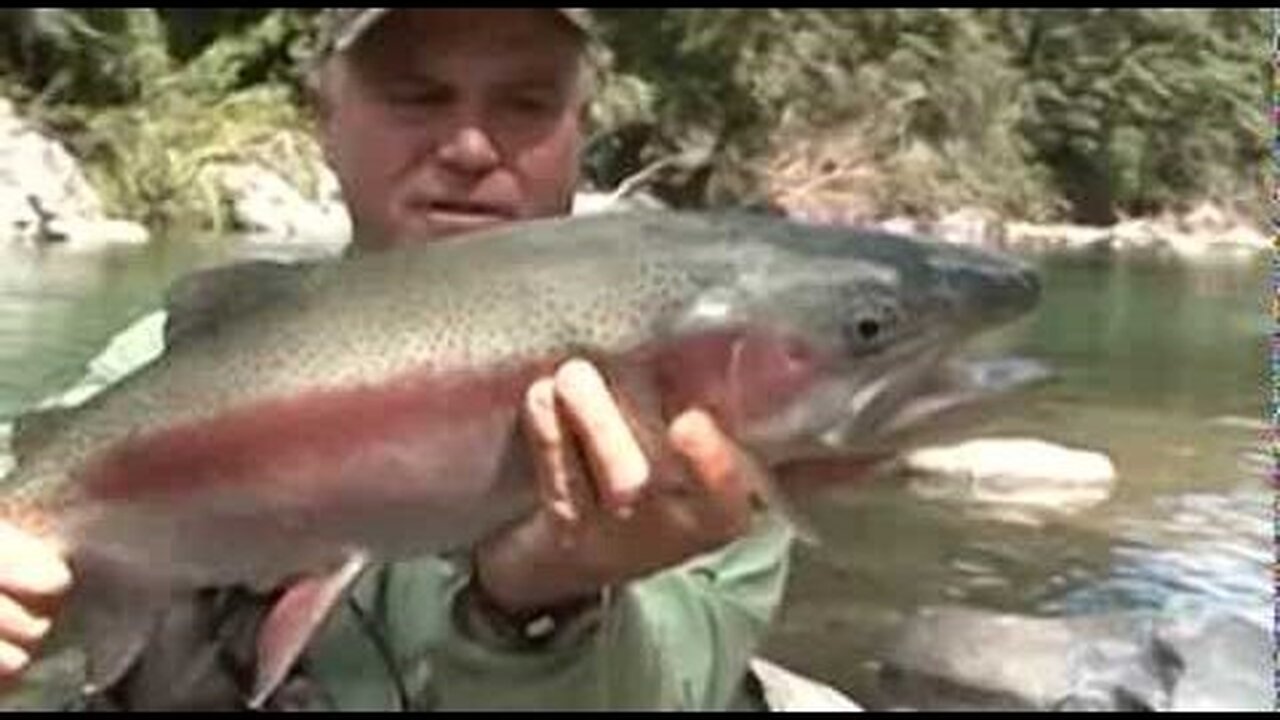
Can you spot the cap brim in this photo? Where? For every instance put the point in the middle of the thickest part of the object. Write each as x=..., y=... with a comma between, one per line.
x=355, y=27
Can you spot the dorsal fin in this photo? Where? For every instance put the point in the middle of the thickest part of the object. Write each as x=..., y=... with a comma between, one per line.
x=200, y=302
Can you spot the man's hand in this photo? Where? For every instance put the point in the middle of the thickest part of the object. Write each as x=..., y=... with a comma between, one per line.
x=606, y=516
x=33, y=582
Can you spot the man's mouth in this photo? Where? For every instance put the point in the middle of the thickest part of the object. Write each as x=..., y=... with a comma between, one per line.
x=465, y=212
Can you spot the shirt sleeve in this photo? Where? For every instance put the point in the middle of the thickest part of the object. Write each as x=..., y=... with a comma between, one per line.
x=678, y=640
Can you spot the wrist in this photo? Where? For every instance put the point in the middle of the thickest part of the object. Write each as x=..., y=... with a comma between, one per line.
x=524, y=628
x=527, y=573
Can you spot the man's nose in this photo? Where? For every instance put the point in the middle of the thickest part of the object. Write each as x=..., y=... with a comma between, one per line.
x=469, y=150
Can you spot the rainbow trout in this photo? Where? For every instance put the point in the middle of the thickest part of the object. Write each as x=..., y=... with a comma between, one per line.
x=308, y=418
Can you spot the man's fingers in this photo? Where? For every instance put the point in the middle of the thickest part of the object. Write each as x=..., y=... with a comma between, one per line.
x=19, y=625
x=720, y=469
x=30, y=567
x=13, y=659
x=544, y=434
x=695, y=435
x=619, y=466
x=562, y=482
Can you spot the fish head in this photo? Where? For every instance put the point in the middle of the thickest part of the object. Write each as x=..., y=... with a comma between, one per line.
x=839, y=342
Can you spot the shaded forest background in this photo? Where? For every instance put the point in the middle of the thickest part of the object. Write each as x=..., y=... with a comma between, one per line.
x=1085, y=116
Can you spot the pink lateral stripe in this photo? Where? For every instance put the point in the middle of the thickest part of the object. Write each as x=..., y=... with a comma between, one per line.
x=323, y=426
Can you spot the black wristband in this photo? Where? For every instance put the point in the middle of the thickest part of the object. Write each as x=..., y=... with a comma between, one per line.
x=546, y=628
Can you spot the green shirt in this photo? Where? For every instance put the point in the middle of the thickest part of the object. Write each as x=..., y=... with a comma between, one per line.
x=679, y=639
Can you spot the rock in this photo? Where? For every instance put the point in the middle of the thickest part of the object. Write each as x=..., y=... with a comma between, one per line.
x=591, y=203
x=851, y=211
x=1207, y=233
x=952, y=657
x=971, y=226
x=1237, y=242
x=45, y=197
x=1246, y=237
x=785, y=691
x=268, y=207
x=901, y=225
x=1228, y=663
x=42, y=167
x=1205, y=219
x=81, y=232
x=18, y=217
x=1139, y=234
x=1011, y=471
x=1037, y=237
x=961, y=658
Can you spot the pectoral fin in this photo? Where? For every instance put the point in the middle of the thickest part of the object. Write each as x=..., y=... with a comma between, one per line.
x=294, y=621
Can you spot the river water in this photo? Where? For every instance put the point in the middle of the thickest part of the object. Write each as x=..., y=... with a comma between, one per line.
x=1161, y=365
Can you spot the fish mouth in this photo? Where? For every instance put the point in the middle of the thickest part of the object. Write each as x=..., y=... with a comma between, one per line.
x=926, y=394
x=922, y=391
x=924, y=399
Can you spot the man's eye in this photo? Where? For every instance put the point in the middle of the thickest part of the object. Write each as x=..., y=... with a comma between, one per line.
x=534, y=104
x=416, y=96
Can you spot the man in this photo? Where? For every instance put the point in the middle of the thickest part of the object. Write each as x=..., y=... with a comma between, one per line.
x=439, y=123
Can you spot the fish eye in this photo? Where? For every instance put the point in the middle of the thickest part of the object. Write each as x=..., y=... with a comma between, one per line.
x=868, y=332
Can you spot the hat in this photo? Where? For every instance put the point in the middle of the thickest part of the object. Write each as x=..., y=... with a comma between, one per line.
x=347, y=25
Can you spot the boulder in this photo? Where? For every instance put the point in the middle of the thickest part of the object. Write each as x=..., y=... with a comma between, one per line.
x=1206, y=219
x=592, y=202
x=1044, y=237
x=267, y=206
x=953, y=657
x=971, y=226
x=785, y=691
x=1235, y=242
x=1011, y=471
x=1137, y=234
x=45, y=197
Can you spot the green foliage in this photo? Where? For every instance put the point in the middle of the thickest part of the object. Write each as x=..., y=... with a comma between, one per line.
x=931, y=94
x=154, y=160
x=148, y=124
x=272, y=50
x=1037, y=114
x=1144, y=109
x=1028, y=112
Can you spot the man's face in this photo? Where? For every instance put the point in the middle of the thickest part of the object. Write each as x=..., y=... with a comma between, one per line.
x=440, y=122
